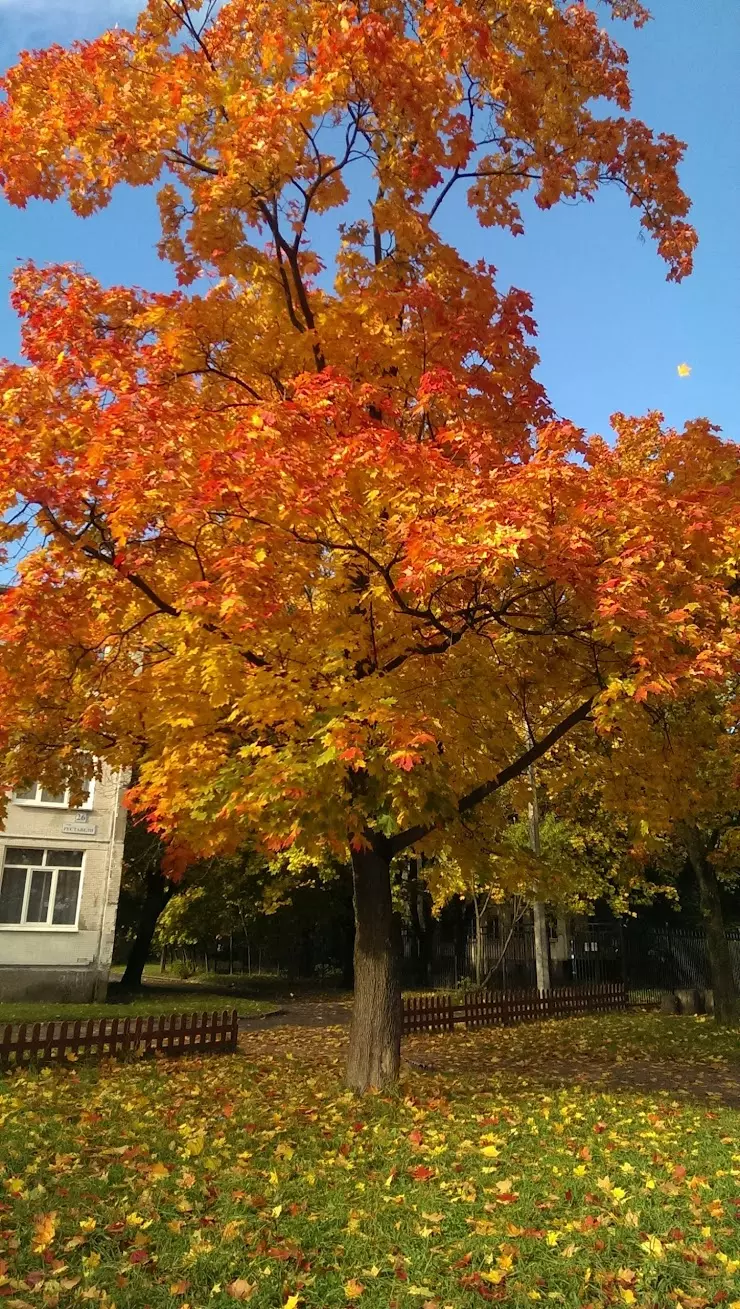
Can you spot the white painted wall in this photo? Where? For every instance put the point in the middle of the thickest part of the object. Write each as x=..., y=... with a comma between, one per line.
x=68, y=963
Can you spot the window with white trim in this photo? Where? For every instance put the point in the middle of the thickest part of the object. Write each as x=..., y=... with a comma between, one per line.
x=40, y=888
x=36, y=794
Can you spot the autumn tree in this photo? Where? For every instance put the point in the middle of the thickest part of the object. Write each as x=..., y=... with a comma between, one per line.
x=310, y=529
x=582, y=858
x=145, y=893
x=670, y=771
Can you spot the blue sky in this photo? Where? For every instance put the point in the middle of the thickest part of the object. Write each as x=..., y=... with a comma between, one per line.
x=612, y=330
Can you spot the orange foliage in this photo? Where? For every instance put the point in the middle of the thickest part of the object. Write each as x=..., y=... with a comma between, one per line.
x=313, y=538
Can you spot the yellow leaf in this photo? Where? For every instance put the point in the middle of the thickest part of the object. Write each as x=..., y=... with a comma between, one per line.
x=653, y=1247
x=353, y=1289
x=44, y=1230
x=232, y=1229
x=684, y=370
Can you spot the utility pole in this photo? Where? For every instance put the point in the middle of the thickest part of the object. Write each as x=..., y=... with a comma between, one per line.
x=541, y=944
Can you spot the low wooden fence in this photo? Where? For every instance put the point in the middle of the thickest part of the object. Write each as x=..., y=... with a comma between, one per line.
x=438, y=1013
x=32, y=1043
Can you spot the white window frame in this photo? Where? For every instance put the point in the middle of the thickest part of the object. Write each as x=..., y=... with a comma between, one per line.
x=48, y=926
x=55, y=804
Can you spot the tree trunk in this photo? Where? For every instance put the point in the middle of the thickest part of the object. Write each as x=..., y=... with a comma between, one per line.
x=375, y=1035
x=478, y=943
x=539, y=917
x=157, y=895
x=726, y=1000
x=541, y=946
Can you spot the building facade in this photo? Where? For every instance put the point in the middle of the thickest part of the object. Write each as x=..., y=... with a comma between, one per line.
x=60, y=873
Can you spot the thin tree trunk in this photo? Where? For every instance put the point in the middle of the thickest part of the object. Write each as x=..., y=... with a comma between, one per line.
x=156, y=899
x=541, y=943
x=519, y=908
x=478, y=943
x=726, y=1000
x=541, y=946
x=375, y=1035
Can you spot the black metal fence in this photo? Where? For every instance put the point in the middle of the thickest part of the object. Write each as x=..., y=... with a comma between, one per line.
x=647, y=959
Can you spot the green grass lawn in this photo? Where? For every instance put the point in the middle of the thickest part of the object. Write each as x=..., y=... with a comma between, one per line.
x=152, y=1001
x=587, y=1162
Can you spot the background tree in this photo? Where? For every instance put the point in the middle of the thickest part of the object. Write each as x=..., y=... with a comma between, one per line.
x=668, y=772
x=145, y=893
x=496, y=871
x=286, y=914
x=306, y=534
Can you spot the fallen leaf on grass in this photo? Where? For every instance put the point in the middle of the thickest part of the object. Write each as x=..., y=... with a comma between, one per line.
x=241, y=1289
x=653, y=1247
x=44, y=1231
x=421, y=1173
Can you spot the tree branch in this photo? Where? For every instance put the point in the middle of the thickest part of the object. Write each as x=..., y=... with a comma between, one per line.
x=412, y=835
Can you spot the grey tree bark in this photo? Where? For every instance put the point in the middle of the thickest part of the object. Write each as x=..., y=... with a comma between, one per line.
x=539, y=915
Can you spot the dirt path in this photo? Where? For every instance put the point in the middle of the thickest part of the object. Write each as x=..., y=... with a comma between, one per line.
x=302, y=1013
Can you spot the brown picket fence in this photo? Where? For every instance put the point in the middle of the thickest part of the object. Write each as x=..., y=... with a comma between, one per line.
x=437, y=1013
x=33, y=1043
x=428, y=1013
